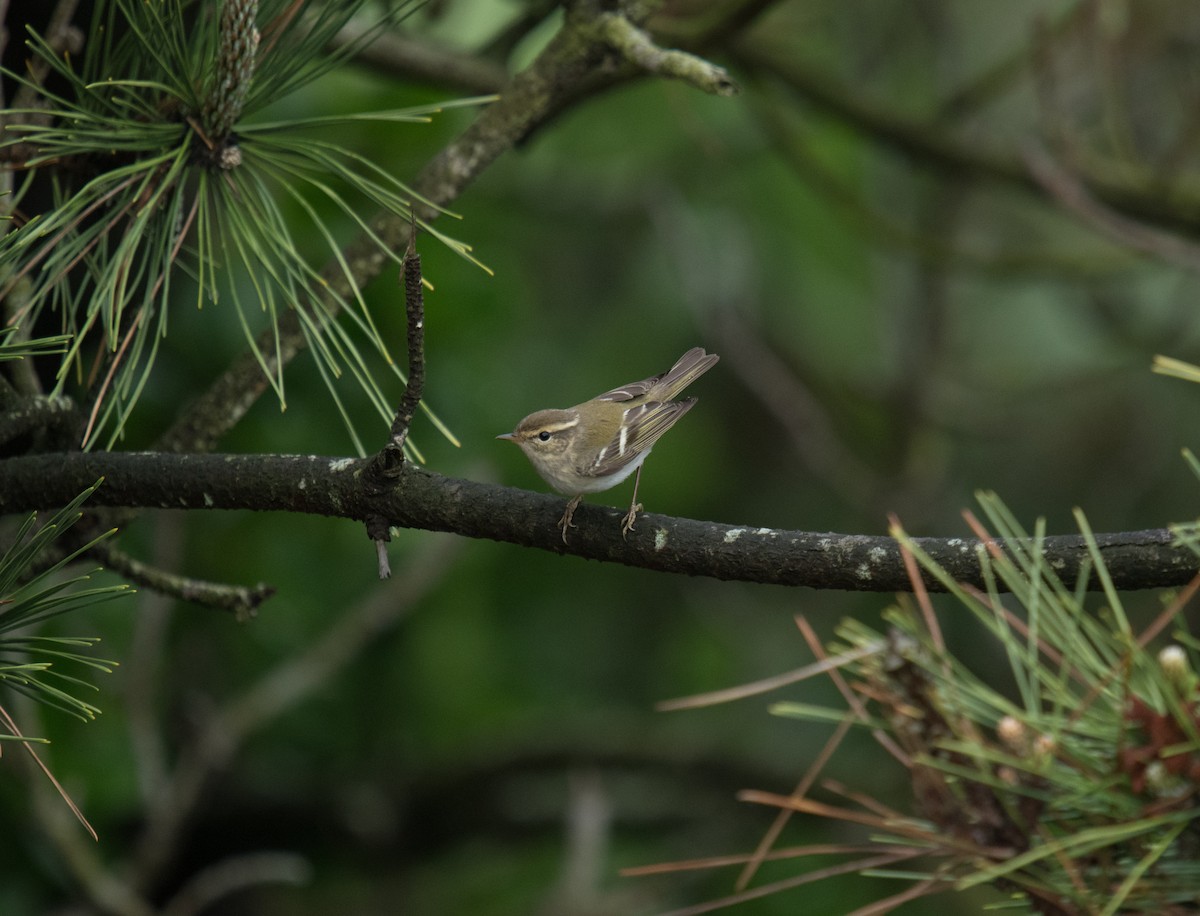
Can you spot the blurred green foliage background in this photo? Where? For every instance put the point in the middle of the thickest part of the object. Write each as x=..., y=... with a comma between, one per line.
x=895, y=334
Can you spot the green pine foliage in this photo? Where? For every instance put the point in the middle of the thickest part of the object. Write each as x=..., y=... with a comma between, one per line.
x=35, y=588
x=1072, y=789
x=164, y=192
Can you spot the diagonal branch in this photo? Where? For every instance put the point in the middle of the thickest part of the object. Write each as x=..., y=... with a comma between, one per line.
x=942, y=149
x=417, y=498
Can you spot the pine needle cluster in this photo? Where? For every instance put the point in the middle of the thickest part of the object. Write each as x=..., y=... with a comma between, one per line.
x=165, y=188
x=1072, y=789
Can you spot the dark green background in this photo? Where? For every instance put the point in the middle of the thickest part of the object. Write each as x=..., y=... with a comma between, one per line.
x=432, y=774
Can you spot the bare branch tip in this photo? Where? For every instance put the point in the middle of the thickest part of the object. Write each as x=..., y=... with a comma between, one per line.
x=637, y=47
x=381, y=555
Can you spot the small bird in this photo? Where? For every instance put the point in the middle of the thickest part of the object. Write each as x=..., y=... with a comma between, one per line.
x=597, y=444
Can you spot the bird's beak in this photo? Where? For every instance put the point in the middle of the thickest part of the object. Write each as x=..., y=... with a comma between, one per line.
x=508, y=436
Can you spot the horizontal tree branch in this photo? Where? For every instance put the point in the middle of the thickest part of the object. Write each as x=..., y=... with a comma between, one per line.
x=417, y=498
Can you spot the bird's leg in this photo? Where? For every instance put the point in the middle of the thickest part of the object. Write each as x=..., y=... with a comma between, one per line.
x=634, y=506
x=565, y=522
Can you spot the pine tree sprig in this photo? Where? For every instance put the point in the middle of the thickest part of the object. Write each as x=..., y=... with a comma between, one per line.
x=1075, y=792
x=32, y=664
x=160, y=182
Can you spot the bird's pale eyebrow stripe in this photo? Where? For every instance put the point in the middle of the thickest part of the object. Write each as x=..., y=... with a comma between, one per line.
x=560, y=427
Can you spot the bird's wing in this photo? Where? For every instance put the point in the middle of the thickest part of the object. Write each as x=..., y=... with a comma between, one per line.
x=631, y=390
x=642, y=427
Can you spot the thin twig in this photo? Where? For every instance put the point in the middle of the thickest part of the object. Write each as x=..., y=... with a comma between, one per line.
x=414, y=308
x=633, y=44
x=390, y=461
x=241, y=600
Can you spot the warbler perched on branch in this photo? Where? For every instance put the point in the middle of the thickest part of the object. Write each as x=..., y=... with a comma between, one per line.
x=597, y=444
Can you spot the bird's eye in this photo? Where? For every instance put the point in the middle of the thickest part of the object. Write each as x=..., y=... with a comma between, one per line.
x=544, y=436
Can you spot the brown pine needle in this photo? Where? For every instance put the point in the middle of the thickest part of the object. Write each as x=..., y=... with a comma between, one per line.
x=754, y=688
x=14, y=730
